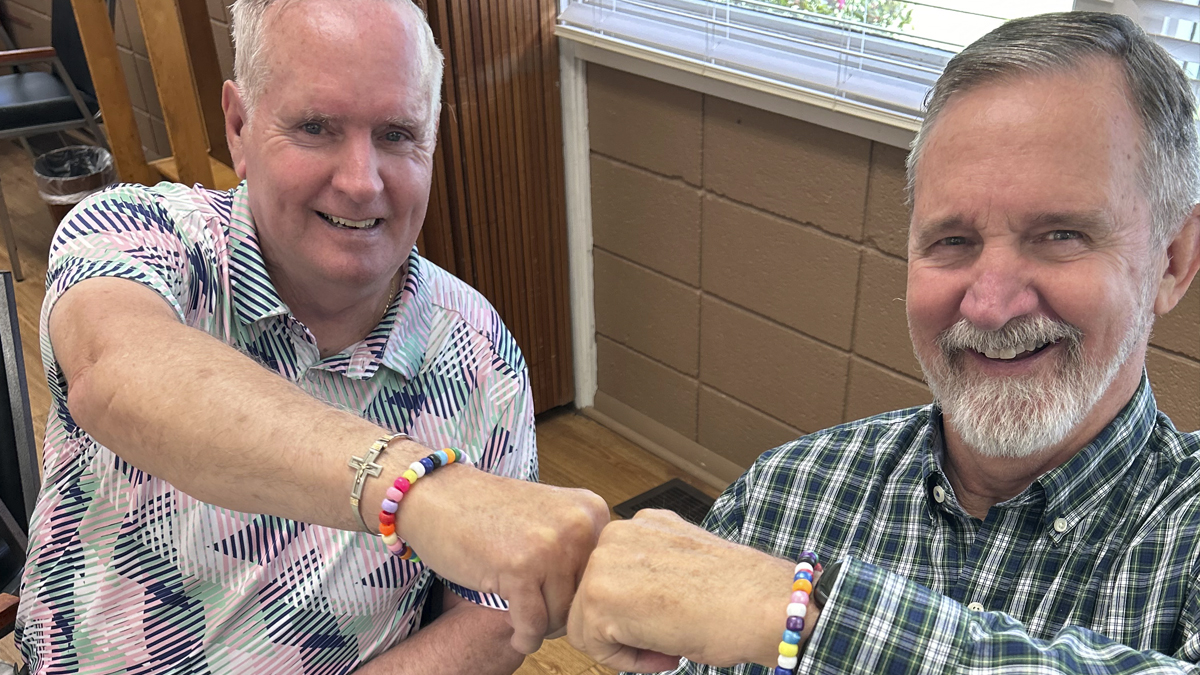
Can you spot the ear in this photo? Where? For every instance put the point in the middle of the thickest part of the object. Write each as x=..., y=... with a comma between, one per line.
x=235, y=125
x=1183, y=259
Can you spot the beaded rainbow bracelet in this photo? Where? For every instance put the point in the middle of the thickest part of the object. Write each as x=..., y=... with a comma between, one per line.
x=797, y=609
x=391, y=502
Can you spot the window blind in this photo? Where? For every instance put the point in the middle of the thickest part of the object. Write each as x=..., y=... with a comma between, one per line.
x=841, y=61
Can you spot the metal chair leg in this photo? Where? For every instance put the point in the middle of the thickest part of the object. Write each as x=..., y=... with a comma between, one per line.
x=10, y=239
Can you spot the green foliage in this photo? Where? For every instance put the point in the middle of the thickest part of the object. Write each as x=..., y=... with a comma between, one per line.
x=894, y=14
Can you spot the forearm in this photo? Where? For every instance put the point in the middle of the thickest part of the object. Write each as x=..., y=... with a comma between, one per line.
x=466, y=638
x=181, y=405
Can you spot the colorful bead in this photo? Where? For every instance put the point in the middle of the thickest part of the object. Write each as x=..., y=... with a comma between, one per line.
x=400, y=487
x=797, y=609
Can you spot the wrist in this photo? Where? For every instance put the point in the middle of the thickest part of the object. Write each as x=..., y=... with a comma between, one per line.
x=401, y=452
x=800, y=617
x=776, y=594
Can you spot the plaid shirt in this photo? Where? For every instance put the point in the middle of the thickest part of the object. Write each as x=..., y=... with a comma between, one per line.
x=1093, y=568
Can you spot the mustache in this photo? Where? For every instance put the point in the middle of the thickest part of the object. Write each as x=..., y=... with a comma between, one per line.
x=1020, y=331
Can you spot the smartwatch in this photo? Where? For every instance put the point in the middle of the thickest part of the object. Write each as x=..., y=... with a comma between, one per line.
x=825, y=584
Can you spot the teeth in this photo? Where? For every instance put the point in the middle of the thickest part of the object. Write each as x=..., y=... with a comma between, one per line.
x=346, y=222
x=1010, y=352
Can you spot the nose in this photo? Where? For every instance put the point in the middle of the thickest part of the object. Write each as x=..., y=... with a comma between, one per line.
x=357, y=172
x=1001, y=289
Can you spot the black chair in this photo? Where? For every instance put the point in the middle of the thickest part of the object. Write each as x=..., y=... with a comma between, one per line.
x=34, y=102
x=19, y=475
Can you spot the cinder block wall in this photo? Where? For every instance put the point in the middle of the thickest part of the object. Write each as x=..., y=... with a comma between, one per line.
x=30, y=24
x=750, y=274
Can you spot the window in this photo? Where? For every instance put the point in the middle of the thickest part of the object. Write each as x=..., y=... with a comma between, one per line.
x=870, y=58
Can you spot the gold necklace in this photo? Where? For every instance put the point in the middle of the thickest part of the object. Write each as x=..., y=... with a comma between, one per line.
x=393, y=289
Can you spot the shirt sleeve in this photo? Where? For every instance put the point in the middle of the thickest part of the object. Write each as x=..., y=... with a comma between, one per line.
x=128, y=232
x=878, y=622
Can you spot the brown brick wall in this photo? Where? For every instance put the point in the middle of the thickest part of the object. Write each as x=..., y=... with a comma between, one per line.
x=750, y=272
x=30, y=21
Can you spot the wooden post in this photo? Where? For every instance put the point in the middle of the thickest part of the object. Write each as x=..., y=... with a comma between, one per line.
x=206, y=71
x=167, y=47
x=100, y=48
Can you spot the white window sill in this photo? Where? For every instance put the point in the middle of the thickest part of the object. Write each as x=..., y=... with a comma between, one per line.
x=891, y=128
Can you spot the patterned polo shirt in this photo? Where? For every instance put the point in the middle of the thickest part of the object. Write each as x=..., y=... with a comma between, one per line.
x=1095, y=568
x=127, y=574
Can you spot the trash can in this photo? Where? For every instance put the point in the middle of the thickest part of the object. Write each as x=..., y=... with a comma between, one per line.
x=67, y=175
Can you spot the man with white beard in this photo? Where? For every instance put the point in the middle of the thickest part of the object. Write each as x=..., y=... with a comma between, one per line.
x=1041, y=516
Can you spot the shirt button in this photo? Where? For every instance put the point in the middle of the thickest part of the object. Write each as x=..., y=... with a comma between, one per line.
x=975, y=607
x=939, y=495
x=1060, y=524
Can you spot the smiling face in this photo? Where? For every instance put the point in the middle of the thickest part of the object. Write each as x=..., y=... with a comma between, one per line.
x=1031, y=281
x=338, y=150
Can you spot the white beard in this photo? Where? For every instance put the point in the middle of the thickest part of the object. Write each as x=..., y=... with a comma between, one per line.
x=1022, y=416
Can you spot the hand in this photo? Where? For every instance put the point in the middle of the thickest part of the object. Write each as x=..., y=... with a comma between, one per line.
x=657, y=588
x=525, y=541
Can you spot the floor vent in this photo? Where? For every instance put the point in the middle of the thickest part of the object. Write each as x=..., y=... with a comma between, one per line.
x=674, y=495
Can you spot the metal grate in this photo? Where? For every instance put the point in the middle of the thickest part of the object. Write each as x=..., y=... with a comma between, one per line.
x=674, y=495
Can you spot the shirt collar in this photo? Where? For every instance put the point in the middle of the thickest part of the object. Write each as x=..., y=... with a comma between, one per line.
x=399, y=340
x=254, y=296
x=1076, y=487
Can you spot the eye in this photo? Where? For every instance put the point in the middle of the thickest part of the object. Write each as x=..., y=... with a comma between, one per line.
x=396, y=136
x=313, y=128
x=1063, y=235
x=951, y=241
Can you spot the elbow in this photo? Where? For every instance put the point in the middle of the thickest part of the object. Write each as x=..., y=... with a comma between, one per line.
x=87, y=401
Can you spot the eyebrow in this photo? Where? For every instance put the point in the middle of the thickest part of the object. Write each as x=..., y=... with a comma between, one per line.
x=935, y=230
x=324, y=118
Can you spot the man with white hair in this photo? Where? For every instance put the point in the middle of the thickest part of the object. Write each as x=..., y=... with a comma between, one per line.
x=1042, y=516
x=249, y=387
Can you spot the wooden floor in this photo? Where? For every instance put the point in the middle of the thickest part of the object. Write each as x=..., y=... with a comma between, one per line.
x=574, y=450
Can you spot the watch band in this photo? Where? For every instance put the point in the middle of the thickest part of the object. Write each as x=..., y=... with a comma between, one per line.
x=825, y=584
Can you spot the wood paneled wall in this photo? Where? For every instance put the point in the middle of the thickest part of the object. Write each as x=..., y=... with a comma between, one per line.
x=496, y=215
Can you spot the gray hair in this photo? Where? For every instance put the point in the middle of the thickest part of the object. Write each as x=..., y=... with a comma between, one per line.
x=249, y=64
x=1158, y=91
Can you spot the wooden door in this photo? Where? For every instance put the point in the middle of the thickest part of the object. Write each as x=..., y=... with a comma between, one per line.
x=497, y=217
